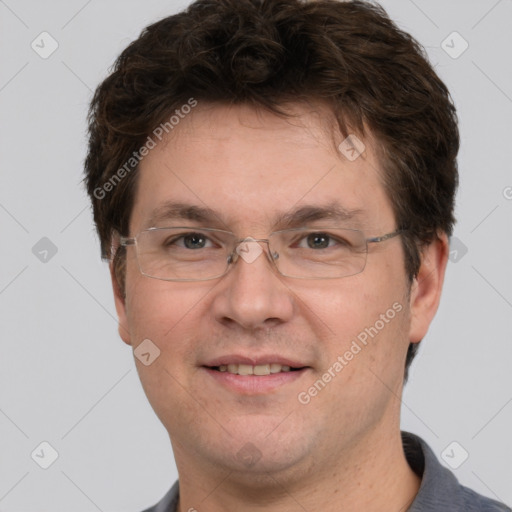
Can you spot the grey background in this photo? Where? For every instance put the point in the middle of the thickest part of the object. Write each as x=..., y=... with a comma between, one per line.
x=66, y=377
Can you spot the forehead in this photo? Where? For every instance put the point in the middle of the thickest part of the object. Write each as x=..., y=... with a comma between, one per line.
x=251, y=168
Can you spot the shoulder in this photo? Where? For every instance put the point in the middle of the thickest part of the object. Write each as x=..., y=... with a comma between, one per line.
x=168, y=503
x=440, y=491
x=474, y=502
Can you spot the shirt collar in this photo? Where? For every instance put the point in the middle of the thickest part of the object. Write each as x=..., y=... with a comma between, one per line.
x=439, y=489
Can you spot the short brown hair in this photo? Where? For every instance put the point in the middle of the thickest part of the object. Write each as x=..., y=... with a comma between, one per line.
x=266, y=53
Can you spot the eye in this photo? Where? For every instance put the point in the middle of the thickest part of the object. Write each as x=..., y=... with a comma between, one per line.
x=317, y=241
x=189, y=241
x=194, y=241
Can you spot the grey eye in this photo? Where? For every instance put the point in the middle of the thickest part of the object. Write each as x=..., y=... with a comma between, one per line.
x=318, y=240
x=194, y=241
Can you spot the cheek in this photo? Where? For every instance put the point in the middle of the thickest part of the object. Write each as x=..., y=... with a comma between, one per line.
x=174, y=316
x=365, y=320
x=344, y=308
x=166, y=314
x=366, y=352
x=156, y=308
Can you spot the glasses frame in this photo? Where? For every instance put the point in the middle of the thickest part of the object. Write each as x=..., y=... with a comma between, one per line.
x=234, y=256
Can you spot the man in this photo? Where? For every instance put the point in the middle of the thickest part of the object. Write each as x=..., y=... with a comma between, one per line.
x=273, y=183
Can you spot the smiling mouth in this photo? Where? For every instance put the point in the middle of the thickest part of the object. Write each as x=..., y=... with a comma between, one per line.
x=256, y=370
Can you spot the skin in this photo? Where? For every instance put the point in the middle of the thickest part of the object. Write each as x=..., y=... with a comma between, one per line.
x=341, y=451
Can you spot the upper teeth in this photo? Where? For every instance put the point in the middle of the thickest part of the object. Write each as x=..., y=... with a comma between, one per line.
x=259, y=369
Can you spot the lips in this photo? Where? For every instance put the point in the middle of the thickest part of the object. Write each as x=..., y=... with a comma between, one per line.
x=253, y=385
x=254, y=375
x=254, y=366
x=253, y=361
x=258, y=370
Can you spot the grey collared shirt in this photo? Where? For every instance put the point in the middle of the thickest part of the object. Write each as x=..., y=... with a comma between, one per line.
x=439, y=491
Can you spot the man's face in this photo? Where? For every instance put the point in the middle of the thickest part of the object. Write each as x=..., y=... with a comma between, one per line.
x=250, y=168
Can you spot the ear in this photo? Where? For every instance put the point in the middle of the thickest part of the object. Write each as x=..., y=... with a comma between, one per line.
x=427, y=285
x=120, y=302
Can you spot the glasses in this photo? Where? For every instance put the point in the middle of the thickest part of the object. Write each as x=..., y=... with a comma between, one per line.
x=201, y=254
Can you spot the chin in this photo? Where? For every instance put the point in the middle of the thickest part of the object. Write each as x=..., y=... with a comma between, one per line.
x=263, y=449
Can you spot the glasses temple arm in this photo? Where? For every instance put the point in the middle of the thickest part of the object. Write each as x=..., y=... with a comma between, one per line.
x=387, y=236
x=124, y=241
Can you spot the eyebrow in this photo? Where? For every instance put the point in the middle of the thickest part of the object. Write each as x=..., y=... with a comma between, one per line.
x=297, y=217
x=311, y=213
x=182, y=211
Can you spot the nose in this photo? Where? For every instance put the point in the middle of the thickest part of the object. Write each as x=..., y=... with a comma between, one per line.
x=252, y=294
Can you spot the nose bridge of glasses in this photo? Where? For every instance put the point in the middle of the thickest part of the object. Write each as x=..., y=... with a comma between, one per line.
x=249, y=249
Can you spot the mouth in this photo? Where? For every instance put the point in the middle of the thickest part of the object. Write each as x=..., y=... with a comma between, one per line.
x=244, y=378
x=258, y=370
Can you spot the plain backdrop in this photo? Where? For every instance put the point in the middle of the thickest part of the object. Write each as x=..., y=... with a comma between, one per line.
x=65, y=376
